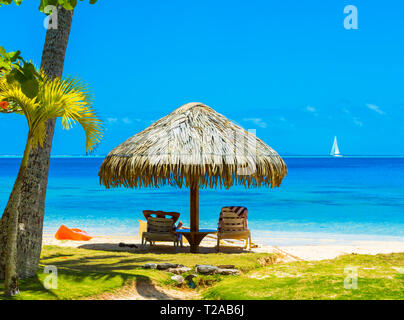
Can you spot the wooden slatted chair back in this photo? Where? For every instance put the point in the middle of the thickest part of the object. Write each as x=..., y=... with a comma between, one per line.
x=231, y=221
x=160, y=225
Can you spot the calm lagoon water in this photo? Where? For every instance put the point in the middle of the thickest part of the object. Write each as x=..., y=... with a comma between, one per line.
x=321, y=198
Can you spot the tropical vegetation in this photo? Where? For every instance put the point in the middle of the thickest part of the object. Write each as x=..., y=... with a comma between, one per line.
x=34, y=185
x=27, y=91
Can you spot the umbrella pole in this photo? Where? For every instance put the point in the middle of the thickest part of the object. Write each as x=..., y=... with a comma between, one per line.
x=194, y=216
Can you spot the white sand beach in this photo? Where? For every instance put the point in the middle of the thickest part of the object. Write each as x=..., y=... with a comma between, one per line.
x=293, y=253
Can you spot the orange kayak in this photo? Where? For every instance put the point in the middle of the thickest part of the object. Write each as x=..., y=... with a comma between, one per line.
x=65, y=233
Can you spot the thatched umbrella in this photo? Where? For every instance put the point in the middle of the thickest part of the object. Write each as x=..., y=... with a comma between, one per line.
x=193, y=147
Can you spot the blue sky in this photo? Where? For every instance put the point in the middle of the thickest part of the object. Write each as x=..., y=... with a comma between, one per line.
x=288, y=69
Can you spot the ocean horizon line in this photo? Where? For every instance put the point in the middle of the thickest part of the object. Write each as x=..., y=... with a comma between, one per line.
x=73, y=156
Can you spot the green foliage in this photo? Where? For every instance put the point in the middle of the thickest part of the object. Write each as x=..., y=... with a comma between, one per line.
x=28, y=92
x=8, y=59
x=66, y=98
x=67, y=4
x=18, y=70
x=6, y=2
x=27, y=77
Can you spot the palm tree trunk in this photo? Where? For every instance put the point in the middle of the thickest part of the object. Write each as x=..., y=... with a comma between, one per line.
x=33, y=188
x=11, y=276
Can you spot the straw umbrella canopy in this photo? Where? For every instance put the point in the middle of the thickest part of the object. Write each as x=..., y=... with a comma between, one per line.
x=194, y=147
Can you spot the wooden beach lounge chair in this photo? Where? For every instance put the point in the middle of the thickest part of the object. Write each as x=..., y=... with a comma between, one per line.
x=160, y=228
x=233, y=225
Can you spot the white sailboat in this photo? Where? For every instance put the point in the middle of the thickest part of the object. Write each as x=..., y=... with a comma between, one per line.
x=335, y=150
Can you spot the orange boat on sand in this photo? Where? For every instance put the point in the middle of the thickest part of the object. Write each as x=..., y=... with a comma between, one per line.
x=65, y=233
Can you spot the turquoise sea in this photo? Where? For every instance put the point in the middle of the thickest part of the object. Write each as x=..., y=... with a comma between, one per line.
x=321, y=198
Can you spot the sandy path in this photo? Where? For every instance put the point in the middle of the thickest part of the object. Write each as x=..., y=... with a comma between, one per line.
x=142, y=290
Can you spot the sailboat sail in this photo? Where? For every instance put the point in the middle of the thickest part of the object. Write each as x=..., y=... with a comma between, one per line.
x=335, y=150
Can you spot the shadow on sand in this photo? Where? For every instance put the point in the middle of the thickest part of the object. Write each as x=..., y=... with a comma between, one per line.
x=160, y=248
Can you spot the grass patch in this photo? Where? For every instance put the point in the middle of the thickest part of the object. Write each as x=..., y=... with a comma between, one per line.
x=71, y=285
x=378, y=278
x=84, y=273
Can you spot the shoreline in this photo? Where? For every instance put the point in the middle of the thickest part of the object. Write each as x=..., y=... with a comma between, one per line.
x=288, y=238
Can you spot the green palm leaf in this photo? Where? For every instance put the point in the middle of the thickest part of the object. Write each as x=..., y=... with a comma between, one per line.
x=69, y=99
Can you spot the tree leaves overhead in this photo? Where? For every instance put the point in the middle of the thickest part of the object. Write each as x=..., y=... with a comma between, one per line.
x=5, y=2
x=8, y=59
x=67, y=4
x=28, y=78
x=15, y=69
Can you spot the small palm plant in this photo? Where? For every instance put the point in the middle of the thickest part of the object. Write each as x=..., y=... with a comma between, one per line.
x=68, y=99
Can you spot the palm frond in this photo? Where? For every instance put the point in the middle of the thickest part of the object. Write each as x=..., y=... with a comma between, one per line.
x=70, y=99
x=19, y=102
